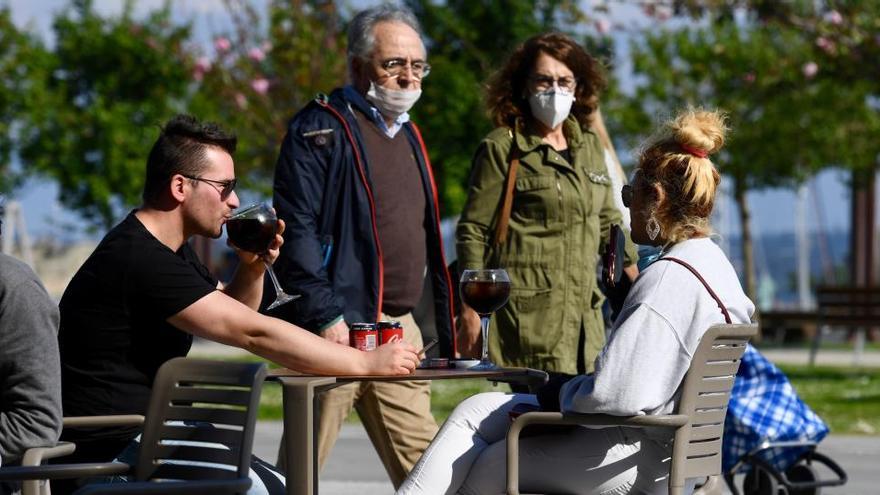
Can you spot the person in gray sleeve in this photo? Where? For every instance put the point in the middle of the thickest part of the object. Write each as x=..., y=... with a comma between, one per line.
x=30, y=373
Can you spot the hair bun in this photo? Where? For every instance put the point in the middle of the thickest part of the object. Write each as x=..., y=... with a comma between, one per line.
x=699, y=132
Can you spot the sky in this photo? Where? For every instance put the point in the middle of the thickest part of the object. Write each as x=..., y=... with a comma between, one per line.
x=773, y=210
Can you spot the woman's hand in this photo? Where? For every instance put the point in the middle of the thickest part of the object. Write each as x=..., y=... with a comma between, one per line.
x=395, y=358
x=469, y=338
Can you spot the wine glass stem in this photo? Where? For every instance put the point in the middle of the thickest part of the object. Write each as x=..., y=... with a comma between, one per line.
x=484, y=323
x=278, y=289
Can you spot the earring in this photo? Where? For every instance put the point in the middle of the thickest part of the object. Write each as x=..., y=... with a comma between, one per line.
x=653, y=227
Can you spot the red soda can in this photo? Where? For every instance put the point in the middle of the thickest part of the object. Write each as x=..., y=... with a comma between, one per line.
x=389, y=331
x=363, y=336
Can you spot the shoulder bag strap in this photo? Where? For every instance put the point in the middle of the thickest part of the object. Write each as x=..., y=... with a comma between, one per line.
x=705, y=284
x=507, y=199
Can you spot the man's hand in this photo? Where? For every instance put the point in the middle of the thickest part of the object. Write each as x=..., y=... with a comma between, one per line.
x=275, y=247
x=469, y=338
x=337, y=333
x=395, y=358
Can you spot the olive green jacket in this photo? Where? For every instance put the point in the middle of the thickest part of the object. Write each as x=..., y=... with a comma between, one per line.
x=558, y=226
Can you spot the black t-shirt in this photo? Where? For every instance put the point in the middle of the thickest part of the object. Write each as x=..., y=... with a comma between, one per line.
x=114, y=335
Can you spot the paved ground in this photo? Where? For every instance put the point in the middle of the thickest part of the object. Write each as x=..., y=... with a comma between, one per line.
x=354, y=468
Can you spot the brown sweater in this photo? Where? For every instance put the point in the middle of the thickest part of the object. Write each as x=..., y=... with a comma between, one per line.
x=400, y=215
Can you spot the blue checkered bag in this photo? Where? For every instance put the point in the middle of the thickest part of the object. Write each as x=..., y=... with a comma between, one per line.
x=764, y=406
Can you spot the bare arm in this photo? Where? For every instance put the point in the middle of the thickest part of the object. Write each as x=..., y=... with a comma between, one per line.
x=220, y=318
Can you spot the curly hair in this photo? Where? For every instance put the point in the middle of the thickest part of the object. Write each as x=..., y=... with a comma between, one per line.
x=506, y=96
x=677, y=158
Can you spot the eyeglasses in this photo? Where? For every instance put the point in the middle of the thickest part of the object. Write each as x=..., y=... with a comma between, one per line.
x=626, y=194
x=543, y=83
x=226, y=186
x=395, y=67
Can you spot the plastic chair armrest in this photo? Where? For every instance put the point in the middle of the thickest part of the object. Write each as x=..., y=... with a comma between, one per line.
x=212, y=487
x=63, y=471
x=98, y=421
x=36, y=455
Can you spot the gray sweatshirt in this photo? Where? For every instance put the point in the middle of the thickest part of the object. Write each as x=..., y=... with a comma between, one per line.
x=30, y=372
x=654, y=338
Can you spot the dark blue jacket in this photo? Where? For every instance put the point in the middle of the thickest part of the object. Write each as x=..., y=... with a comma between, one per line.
x=332, y=255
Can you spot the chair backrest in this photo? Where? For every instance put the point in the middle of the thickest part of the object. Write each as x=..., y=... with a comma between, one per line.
x=705, y=393
x=201, y=420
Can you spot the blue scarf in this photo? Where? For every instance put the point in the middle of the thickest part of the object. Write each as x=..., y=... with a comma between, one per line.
x=648, y=255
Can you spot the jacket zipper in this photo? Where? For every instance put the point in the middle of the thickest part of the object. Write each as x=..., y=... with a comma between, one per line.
x=363, y=175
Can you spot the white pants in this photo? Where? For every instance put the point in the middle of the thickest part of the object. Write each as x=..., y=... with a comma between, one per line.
x=468, y=456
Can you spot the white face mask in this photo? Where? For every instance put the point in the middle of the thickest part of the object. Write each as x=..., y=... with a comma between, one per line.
x=551, y=107
x=392, y=102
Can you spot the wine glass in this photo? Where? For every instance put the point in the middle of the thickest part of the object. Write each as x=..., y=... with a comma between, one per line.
x=485, y=291
x=253, y=229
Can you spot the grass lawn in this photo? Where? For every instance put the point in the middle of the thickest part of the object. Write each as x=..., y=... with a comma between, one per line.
x=847, y=398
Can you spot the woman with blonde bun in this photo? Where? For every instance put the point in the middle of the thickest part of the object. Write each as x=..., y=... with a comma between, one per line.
x=644, y=362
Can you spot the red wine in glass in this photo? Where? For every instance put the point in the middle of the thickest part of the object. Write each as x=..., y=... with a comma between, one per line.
x=486, y=291
x=253, y=229
x=485, y=296
x=252, y=234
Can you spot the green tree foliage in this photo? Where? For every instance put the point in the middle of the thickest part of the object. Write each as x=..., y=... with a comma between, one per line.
x=22, y=60
x=790, y=116
x=270, y=66
x=111, y=82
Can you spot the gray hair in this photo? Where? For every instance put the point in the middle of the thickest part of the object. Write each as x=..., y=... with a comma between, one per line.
x=360, y=32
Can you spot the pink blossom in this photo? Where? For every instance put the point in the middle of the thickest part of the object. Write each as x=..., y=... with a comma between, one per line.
x=663, y=12
x=825, y=44
x=834, y=17
x=603, y=26
x=260, y=85
x=222, y=44
x=266, y=47
x=202, y=66
x=241, y=101
x=749, y=77
x=810, y=69
x=256, y=54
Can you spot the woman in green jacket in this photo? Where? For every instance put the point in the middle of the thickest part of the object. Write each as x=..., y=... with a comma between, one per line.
x=542, y=102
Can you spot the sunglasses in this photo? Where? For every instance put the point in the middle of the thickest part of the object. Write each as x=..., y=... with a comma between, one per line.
x=626, y=194
x=226, y=186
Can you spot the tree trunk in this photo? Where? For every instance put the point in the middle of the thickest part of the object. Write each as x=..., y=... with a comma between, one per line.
x=862, y=230
x=745, y=216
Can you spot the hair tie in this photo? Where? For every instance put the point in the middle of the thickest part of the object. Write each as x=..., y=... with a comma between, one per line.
x=694, y=151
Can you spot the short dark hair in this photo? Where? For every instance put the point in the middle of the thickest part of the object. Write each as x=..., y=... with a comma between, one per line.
x=180, y=149
x=505, y=92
